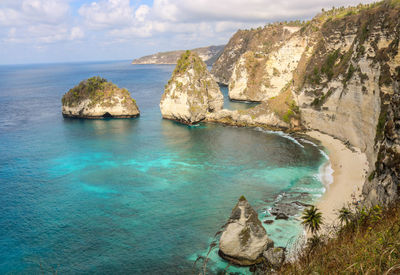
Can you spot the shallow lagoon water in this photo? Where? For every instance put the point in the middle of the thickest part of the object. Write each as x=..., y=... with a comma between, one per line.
x=138, y=196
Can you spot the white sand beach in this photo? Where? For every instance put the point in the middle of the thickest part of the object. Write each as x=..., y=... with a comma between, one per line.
x=349, y=174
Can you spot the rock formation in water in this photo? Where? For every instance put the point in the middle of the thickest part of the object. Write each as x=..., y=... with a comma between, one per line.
x=191, y=93
x=208, y=54
x=244, y=239
x=98, y=98
x=338, y=73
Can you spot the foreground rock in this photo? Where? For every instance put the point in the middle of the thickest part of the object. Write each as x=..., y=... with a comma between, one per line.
x=275, y=256
x=244, y=239
x=98, y=98
x=191, y=93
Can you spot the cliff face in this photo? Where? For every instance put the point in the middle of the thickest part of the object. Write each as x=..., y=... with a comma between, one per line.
x=192, y=93
x=348, y=81
x=262, y=39
x=98, y=98
x=207, y=54
x=339, y=74
x=258, y=76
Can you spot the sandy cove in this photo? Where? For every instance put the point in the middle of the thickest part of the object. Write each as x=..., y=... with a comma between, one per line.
x=349, y=174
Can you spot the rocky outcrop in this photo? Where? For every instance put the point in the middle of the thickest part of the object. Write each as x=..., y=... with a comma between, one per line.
x=383, y=183
x=192, y=93
x=257, y=40
x=244, y=239
x=98, y=98
x=259, y=116
x=275, y=256
x=208, y=54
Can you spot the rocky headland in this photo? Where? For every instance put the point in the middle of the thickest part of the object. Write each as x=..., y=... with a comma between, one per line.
x=97, y=98
x=191, y=93
x=208, y=54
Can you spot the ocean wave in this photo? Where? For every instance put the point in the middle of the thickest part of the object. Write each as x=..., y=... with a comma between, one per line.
x=280, y=133
x=323, y=153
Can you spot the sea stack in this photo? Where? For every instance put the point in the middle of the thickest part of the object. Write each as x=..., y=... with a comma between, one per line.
x=191, y=93
x=244, y=239
x=97, y=98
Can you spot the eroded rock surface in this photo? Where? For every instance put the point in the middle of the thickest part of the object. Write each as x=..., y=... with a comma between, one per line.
x=98, y=98
x=244, y=239
x=191, y=93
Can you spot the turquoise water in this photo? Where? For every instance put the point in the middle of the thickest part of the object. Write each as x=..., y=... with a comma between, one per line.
x=136, y=196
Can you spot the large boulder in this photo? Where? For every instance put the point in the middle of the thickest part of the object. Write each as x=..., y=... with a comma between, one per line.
x=98, y=98
x=244, y=239
x=191, y=93
x=275, y=256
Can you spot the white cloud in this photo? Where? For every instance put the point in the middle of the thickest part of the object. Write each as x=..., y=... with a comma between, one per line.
x=76, y=33
x=22, y=12
x=37, y=21
x=243, y=11
x=166, y=24
x=207, y=18
x=107, y=14
x=44, y=11
x=142, y=12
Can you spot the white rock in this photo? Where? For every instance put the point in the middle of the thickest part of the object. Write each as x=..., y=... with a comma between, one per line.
x=244, y=239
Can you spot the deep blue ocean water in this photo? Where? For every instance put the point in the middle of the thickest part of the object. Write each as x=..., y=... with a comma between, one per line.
x=129, y=196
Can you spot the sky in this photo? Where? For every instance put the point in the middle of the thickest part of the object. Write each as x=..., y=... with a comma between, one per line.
x=47, y=31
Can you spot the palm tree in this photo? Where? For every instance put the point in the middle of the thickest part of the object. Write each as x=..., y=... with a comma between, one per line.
x=345, y=215
x=312, y=219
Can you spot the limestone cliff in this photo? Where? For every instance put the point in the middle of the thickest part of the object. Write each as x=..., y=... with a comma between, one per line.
x=338, y=73
x=257, y=40
x=207, y=54
x=347, y=82
x=98, y=98
x=192, y=93
x=258, y=76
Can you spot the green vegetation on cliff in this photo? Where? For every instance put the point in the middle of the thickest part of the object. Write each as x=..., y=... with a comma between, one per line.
x=284, y=105
x=96, y=89
x=368, y=242
x=188, y=59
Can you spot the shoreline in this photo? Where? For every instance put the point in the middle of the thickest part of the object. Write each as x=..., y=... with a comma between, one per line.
x=349, y=174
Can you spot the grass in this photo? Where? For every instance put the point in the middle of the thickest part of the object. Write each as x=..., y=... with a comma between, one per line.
x=368, y=244
x=319, y=101
x=380, y=127
x=189, y=60
x=284, y=105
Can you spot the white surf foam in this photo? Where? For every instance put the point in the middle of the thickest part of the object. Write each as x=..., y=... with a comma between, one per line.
x=280, y=133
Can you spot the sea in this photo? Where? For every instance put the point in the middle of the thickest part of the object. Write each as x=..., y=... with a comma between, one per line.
x=133, y=196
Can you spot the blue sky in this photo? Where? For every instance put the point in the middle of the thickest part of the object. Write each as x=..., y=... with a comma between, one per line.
x=40, y=31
